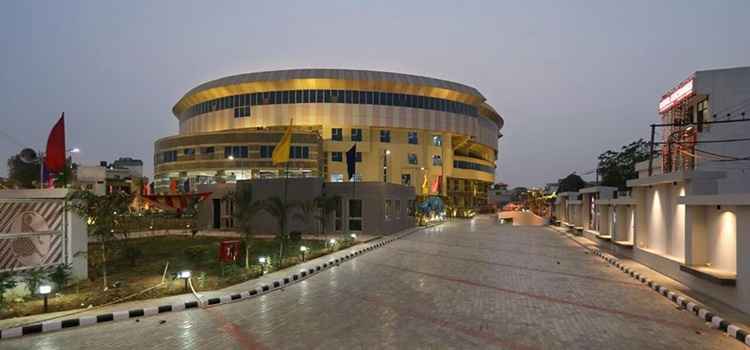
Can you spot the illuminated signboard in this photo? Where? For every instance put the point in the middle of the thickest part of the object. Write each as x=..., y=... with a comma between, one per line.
x=676, y=96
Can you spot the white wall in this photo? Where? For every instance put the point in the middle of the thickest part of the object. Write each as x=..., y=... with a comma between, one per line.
x=728, y=91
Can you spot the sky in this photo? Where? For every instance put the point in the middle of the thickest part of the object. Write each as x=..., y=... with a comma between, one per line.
x=572, y=79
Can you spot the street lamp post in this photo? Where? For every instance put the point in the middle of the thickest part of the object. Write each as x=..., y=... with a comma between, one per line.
x=303, y=250
x=45, y=290
x=185, y=275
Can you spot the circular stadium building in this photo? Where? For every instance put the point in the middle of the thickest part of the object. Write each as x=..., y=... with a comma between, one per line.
x=436, y=135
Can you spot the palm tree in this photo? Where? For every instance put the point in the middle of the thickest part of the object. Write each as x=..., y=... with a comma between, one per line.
x=279, y=209
x=244, y=211
x=327, y=206
x=307, y=212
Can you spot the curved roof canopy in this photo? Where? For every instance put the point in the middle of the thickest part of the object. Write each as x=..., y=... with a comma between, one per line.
x=363, y=80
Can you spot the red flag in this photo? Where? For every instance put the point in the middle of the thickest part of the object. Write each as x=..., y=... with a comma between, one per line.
x=55, y=157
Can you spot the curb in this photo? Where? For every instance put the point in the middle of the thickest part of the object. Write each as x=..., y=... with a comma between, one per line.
x=57, y=325
x=700, y=311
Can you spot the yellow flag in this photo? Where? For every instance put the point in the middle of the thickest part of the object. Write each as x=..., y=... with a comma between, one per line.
x=281, y=152
x=425, y=186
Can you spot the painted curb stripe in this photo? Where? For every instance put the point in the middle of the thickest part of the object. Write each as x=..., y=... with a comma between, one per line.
x=716, y=321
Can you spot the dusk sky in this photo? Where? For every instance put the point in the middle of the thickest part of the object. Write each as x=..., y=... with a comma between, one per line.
x=571, y=80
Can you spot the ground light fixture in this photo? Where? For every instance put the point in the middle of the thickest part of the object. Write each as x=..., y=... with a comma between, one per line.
x=44, y=290
x=262, y=260
x=332, y=242
x=303, y=250
x=353, y=236
x=185, y=275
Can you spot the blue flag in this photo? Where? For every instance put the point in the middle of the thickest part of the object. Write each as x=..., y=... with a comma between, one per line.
x=351, y=162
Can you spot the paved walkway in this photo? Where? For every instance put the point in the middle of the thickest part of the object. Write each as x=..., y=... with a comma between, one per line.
x=464, y=284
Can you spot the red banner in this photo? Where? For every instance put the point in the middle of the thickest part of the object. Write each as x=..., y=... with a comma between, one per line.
x=55, y=157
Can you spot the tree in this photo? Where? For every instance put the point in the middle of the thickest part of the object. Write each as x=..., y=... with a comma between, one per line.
x=33, y=278
x=7, y=282
x=279, y=210
x=327, y=206
x=245, y=209
x=105, y=216
x=26, y=175
x=60, y=275
x=616, y=168
x=571, y=183
x=518, y=194
x=307, y=212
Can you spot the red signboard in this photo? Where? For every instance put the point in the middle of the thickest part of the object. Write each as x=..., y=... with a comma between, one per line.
x=229, y=251
x=676, y=95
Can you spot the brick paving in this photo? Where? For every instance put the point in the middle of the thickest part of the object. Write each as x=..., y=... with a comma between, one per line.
x=464, y=284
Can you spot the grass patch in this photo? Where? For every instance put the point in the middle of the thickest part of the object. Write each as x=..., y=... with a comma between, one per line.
x=129, y=273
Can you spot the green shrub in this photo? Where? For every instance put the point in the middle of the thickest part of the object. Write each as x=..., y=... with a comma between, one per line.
x=133, y=253
x=7, y=282
x=196, y=254
x=34, y=278
x=60, y=275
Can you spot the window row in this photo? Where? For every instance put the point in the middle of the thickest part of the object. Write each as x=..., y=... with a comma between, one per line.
x=339, y=157
x=462, y=164
x=329, y=96
x=266, y=151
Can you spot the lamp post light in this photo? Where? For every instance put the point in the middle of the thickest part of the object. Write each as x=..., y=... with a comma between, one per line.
x=44, y=290
x=303, y=250
x=332, y=242
x=185, y=275
x=353, y=236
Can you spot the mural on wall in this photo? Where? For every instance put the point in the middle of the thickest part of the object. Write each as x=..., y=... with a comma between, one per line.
x=27, y=245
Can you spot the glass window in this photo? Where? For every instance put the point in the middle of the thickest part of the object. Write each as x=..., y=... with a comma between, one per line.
x=189, y=151
x=356, y=134
x=355, y=97
x=266, y=151
x=389, y=99
x=406, y=179
x=369, y=97
x=385, y=136
x=437, y=160
x=337, y=156
x=413, y=138
x=208, y=150
x=297, y=96
x=377, y=98
x=348, y=96
x=327, y=96
x=355, y=208
x=319, y=98
x=388, y=209
x=437, y=140
x=412, y=158
x=306, y=96
x=337, y=134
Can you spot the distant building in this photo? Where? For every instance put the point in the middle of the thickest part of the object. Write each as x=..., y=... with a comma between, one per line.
x=124, y=174
x=687, y=215
x=374, y=208
x=408, y=130
x=134, y=166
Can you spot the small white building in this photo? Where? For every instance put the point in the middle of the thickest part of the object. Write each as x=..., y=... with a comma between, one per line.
x=688, y=214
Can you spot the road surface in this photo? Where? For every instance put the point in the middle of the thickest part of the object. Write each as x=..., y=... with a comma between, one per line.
x=463, y=285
